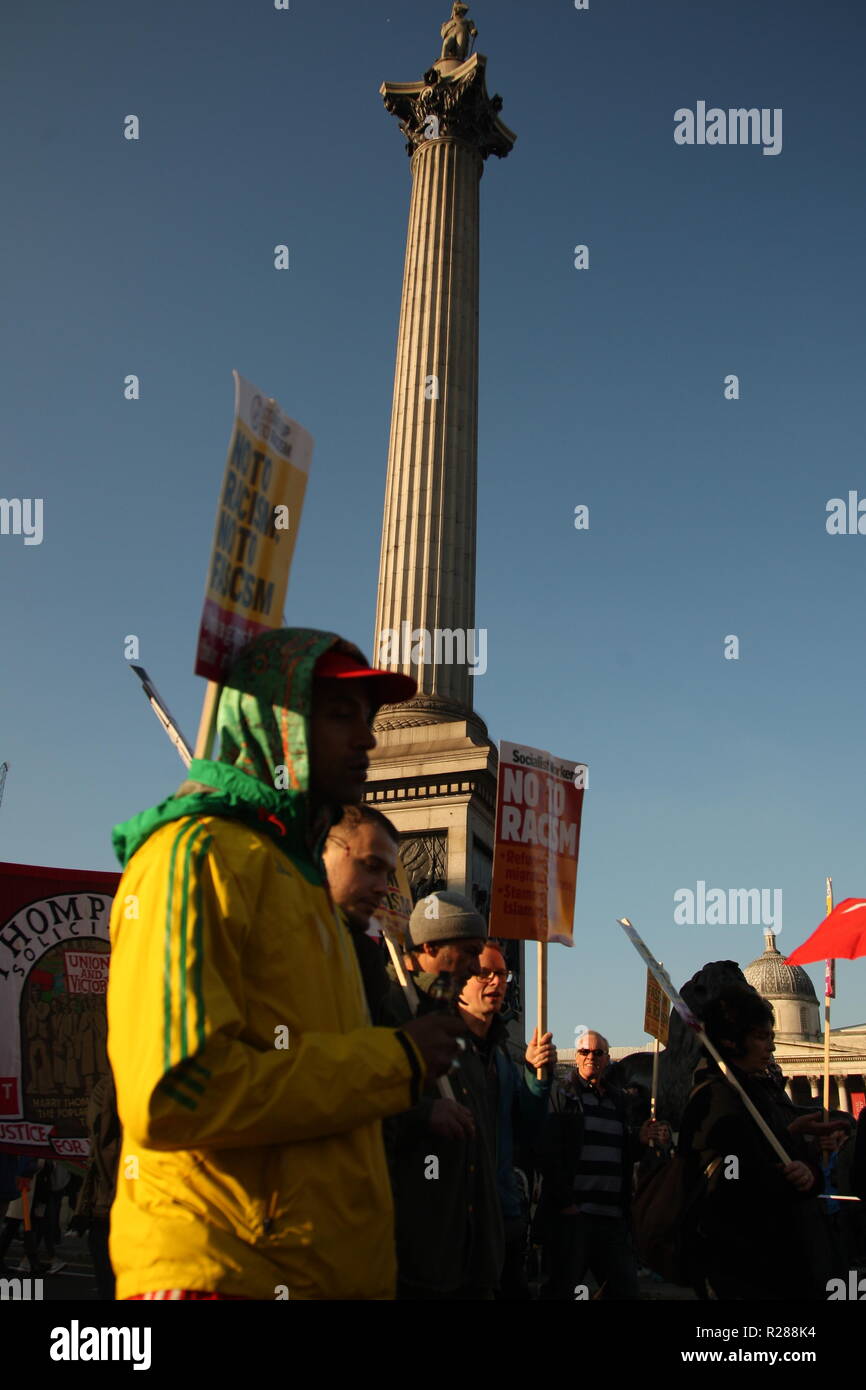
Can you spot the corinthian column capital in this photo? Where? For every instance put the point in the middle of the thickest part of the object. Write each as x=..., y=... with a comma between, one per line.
x=451, y=105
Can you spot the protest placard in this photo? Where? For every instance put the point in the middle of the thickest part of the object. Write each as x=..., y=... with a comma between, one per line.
x=539, y=802
x=656, y=1019
x=392, y=915
x=256, y=529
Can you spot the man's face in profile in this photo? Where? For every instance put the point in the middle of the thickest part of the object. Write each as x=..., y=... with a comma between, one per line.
x=340, y=740
x=358, y=862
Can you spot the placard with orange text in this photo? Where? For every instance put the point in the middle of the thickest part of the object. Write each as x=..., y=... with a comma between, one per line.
x=539, y=800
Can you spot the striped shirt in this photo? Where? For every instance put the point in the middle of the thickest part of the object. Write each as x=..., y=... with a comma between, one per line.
x=599, y=1175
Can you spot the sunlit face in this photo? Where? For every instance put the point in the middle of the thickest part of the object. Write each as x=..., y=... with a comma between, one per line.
x=591, y=1056
x=358, y=862
x=340, y=741
x=484, y=997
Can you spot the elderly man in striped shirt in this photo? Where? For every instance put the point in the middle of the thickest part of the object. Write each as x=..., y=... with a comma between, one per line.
x=587, y=1157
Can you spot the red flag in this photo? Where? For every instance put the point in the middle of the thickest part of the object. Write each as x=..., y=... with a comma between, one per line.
x=841, y=935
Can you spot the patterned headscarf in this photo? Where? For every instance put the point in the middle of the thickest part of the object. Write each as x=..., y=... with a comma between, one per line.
x=264, y=710
x=263, y=723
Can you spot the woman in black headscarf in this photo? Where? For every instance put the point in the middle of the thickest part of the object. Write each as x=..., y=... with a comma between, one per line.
x=745, y=1233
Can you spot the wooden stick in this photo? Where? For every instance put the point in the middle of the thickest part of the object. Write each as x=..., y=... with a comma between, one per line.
x=541, y=1072
x=446, y=1090
x=655, y=1082
x=207, y=723
x=406, y=984
x=829, y=891
x=25, y=1205
x=826, y=1056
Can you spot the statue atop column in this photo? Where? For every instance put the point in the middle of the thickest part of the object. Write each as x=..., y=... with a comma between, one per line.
x=457, y=32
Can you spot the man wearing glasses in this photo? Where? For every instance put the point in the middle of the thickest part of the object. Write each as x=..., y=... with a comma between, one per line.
x=360, y=853
x=517, y=1101
x=588, y=1155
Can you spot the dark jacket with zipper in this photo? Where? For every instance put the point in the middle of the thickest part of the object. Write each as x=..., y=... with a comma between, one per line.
x=561, y=1145
x=449, y=1229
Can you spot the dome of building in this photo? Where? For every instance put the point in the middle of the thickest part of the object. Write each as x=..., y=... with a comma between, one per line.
x=772, y=978
x=788, y=988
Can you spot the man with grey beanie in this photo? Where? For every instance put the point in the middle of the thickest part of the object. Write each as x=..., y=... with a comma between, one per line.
x=441, y=1153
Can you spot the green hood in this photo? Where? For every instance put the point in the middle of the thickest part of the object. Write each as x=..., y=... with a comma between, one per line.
x=263, y=724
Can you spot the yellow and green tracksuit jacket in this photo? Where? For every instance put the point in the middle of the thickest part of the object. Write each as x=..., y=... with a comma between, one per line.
x=250, y=1083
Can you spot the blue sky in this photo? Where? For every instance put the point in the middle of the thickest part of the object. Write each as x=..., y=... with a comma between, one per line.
x=602, y=387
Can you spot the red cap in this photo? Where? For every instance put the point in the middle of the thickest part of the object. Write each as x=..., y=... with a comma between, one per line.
x=390, y=687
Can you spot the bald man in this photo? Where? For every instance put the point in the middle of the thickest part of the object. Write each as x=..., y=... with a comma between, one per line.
x=588, y=1154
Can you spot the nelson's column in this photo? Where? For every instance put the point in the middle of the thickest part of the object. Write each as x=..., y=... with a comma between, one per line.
x=434, y=770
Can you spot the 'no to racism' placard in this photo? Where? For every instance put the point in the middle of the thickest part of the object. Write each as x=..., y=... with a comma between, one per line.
x=256, y=528
x=539, y=801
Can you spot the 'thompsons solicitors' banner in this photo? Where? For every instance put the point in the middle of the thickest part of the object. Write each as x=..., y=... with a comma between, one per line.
x=256, y=528
x=54, y=950
x=539, y=799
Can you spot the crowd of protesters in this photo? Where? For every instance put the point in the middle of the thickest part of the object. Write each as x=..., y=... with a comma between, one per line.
x=299, y=1116
x=32, y=1191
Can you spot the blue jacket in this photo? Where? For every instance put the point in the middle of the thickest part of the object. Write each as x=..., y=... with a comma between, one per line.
x=519, y=1121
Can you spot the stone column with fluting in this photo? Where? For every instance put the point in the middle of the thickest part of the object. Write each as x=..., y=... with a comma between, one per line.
x=427, y=565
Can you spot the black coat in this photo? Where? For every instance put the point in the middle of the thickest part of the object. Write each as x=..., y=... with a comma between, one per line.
x=858, y=1167
x=371, y=963
x=749, y=1233
x=449, y=1229
x=561, y=1145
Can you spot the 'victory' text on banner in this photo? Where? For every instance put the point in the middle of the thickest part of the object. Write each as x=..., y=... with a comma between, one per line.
x=256, y=528
x=538, y=808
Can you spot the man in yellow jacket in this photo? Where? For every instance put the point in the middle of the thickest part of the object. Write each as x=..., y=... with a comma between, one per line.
x=250, y=1083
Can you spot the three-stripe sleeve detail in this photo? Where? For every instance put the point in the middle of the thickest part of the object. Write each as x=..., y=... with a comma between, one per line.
x=183, y=990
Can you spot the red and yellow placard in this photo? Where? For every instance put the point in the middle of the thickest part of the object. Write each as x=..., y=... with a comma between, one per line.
x=538, y=808
x=256, y=528
x=393, y=913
